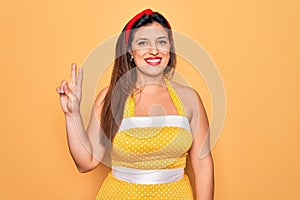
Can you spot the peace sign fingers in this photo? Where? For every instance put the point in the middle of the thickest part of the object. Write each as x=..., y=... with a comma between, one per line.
x=76, y=80
x=70, y=93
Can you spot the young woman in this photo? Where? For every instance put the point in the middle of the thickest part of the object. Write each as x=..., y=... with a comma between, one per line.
x=147, y=123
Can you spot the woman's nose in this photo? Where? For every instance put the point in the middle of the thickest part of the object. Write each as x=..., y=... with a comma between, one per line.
x=153, y=49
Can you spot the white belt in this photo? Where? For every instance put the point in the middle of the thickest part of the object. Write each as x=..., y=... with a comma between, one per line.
x=147, y=176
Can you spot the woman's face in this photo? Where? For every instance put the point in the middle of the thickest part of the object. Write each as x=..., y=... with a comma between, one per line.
x=150, y=49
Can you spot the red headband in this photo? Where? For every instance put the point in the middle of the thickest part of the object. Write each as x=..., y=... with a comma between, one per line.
x=134, y=19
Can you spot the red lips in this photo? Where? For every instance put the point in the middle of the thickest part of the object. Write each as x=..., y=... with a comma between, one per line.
x=153, y=60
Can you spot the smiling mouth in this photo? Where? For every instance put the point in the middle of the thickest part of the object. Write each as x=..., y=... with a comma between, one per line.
x=153, y=61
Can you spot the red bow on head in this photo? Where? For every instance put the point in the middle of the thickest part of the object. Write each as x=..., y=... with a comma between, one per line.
x=137, y=17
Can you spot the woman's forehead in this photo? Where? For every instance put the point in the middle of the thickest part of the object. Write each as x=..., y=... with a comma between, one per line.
x=153, y=30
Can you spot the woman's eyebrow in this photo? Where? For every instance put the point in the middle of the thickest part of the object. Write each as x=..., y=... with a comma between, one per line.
x=142, y=38
x=162, y=37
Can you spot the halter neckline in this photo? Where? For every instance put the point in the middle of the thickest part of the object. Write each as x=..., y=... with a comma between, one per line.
x=130, y=102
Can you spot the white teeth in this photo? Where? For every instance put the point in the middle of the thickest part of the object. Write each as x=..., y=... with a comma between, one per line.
x=153, y=60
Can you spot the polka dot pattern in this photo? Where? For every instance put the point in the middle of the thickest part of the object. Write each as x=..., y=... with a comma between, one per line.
x=149, y=148
x=167, y=147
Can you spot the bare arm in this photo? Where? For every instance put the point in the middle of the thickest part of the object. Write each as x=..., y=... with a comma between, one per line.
x=84, y=145
x=201, y=158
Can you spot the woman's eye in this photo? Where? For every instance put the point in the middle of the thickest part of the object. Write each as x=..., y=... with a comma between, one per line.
x=162, y=42
x=142, y=43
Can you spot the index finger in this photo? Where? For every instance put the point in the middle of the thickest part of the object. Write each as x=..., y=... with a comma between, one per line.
x=73, y=74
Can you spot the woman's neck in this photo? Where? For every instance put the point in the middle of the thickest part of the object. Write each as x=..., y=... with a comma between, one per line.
x=150, y=84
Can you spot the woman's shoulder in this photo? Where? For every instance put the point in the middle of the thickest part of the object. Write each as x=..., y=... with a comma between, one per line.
x=183, y=90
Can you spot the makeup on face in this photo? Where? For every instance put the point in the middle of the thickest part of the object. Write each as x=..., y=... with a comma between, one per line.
x=151, y=45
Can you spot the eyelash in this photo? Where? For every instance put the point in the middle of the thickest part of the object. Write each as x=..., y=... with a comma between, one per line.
x=142, y=43
x=162, y=42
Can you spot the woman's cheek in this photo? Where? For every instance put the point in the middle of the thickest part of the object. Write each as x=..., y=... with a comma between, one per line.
x=166, y=61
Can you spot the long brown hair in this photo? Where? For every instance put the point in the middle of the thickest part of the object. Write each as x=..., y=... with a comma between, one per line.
x=123, y=78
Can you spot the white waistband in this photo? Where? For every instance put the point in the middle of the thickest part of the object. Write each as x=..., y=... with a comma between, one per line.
x=147, y=176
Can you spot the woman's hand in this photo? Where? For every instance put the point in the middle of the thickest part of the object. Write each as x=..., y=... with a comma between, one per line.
x=70, y=93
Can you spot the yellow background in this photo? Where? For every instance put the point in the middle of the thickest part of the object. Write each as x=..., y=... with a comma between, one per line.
x=255, y=45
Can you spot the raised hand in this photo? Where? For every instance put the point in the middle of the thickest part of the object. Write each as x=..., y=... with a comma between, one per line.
x=70, y=93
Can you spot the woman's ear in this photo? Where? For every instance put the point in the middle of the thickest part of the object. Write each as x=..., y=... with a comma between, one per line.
x=130, y=52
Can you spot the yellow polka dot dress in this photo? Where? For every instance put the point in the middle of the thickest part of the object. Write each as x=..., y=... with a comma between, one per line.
x=150, y=143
